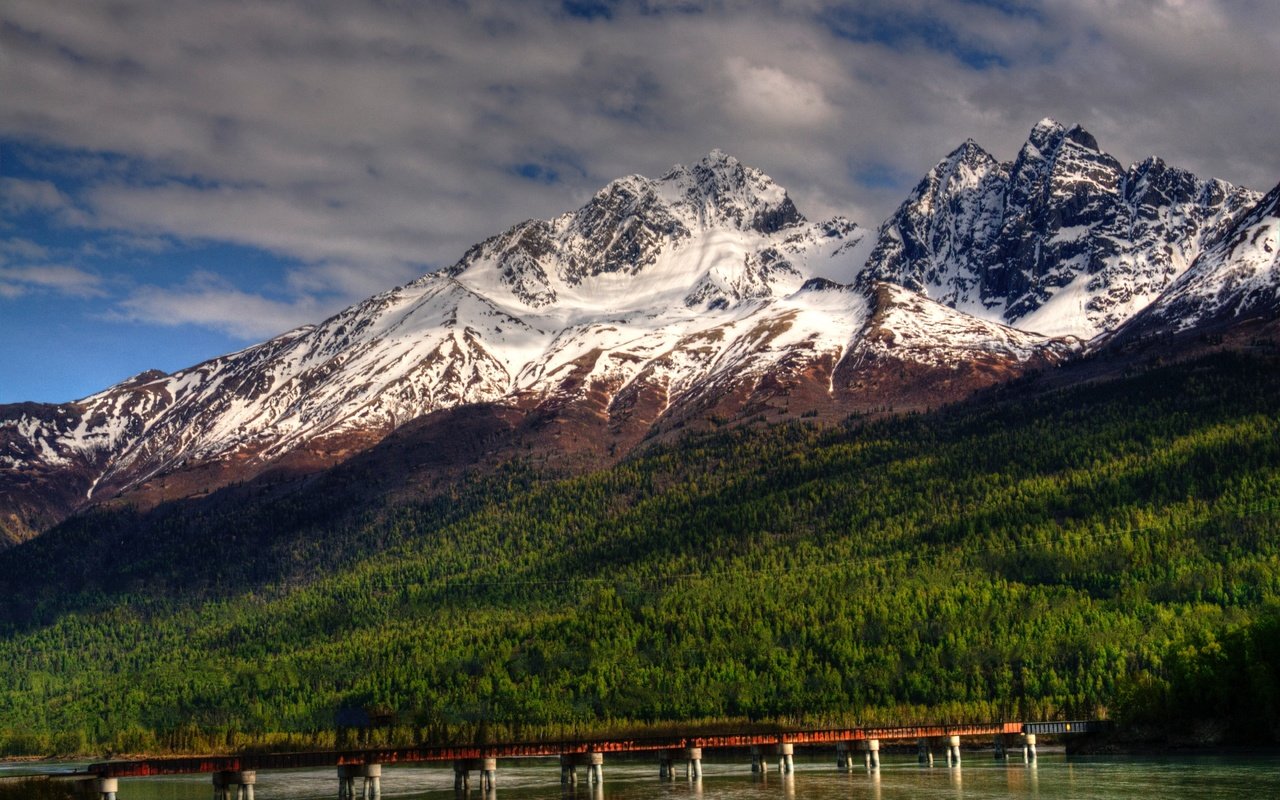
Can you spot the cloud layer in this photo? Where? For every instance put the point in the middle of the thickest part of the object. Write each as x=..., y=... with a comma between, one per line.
x=366, y=143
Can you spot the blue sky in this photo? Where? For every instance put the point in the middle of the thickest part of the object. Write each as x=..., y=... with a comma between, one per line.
x=180, y=179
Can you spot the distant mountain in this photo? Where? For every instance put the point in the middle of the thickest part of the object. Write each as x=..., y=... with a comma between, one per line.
x=1062, y=241
x=657, y=305
x=1234, y=281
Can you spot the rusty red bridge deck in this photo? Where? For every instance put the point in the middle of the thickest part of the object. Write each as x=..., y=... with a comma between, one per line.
x=402, y=755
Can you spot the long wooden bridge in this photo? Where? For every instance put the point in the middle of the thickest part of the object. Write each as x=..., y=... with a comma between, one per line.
x=234, y=776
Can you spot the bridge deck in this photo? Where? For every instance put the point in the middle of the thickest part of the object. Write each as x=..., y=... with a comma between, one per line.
x=398, y=755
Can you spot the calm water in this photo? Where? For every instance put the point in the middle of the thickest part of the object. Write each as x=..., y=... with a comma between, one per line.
x=981, y=777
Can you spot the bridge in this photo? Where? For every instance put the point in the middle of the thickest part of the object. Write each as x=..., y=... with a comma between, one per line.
x=234, y=776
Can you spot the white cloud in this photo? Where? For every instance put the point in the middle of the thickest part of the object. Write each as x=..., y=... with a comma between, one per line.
x=768, y=95
x=19, y=196
x=20, y=248
x=372, y=141
x=16, y=281
x=209, y=301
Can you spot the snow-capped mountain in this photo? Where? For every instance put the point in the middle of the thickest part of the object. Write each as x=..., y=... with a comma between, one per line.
x=1063, y=240
x=1236, y=279
x=655, y=304
x=664, y=305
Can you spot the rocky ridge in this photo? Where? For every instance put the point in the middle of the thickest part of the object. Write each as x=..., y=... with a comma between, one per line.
x=1063, y=240
x=667, y=303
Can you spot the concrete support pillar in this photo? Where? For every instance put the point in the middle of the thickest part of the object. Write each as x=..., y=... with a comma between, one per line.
x=568, y=770
x=347, y=781
x=372, y=786
x=873, y=754
x=759, y=760
x=786, y=758
x=693, y=763
x=844, y=756
x=242, y=780
x=106, y=788
x=1028, y=748
x=665, y=770
x=924, y=752
x=953, y=751
x=462, y=769
x=595, y=768
x=998, y=748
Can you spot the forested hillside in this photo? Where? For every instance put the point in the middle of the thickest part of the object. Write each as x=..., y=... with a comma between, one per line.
x=1102, y=550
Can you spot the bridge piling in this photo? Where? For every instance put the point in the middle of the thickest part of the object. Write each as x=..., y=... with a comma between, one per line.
x=786, y=758
x=924, y=752
x=872, y=754
x=998, y=747
x=346, y=782
x=759, y=760
x=844, y=758
x=104, y=788
x=372, y=788
x=1028, y=748
x=593, y=761
x=242, y=780
x=953, y=751
x=693, y=763
x=568, y=770
x=463, y=767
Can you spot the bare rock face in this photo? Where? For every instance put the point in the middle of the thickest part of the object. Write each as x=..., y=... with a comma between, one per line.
x=669, y=305
x=1235, y=280
x=1063, y=240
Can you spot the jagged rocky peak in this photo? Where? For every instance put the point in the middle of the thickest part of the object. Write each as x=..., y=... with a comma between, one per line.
x=1045, y=136
x=1048, y=135
x=720, y=191
x=1056, y=161
x=1234, y=279
x=1063, y=240
x=920, y=247
x=717, y=232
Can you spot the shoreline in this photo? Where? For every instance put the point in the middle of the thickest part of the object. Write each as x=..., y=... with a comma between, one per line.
x=1069, y=749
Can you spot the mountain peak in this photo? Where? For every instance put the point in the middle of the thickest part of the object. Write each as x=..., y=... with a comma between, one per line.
x=1082, y=137
x=713, y=233
x=969, y=150
x=1061, y=240
x=1046, y=134
x=719, y=190
x=718, y=156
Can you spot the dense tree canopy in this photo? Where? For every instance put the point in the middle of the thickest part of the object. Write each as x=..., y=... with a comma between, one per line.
x=1109, y=549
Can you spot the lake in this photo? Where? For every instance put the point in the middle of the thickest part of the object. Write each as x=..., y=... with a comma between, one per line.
x=729, y=778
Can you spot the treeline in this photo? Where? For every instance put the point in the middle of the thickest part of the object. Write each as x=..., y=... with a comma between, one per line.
x=1227, y=679
x=1091, y=552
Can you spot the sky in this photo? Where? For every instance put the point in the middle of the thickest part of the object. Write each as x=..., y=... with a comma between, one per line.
x=182, y=178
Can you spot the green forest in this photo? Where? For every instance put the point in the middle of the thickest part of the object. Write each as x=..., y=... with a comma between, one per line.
x=1109, y=550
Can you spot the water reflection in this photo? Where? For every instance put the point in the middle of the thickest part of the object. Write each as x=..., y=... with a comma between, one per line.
x=577, y=791
x=1052, y=777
